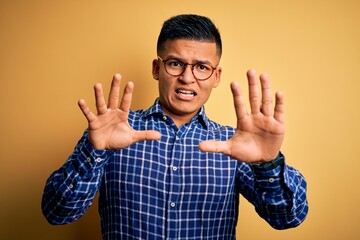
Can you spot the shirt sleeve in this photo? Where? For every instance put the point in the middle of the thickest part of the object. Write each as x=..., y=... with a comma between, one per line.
x=279, y=194
x=70, y=190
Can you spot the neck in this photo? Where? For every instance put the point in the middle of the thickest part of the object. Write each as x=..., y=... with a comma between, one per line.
x=177, y=115
x=179, y=119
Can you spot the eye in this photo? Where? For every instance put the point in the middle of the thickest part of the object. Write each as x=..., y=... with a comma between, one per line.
x=173, y=63
x=202, y=67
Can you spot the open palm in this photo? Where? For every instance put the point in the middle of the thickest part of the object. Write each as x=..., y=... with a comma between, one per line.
x=259, y=134
x=109, y=129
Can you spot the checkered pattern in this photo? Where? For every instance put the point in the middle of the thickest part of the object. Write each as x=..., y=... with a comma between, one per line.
x=168, y=189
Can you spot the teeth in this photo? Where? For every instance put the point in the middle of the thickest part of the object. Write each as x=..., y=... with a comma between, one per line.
x=185, y=92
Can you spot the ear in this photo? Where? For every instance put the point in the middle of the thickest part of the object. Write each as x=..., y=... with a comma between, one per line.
x=155, y=69
x=217, y=77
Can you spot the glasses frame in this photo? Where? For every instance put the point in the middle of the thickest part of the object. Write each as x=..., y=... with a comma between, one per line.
x=185, y=66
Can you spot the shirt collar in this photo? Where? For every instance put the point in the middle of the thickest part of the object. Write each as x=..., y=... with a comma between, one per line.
x=156, y=109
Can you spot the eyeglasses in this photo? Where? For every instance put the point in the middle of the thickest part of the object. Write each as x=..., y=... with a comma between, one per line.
x=176, y=67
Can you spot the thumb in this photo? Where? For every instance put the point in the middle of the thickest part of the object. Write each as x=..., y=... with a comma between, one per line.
x=146, y=135
x=214, y=146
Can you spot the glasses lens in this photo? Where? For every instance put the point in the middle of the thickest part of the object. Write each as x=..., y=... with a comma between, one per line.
x=176, y=67
x=202, y=71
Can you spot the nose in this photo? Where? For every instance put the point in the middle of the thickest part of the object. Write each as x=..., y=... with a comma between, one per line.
x=187, y=76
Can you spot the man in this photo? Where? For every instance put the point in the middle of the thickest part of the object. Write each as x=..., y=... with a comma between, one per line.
x=169, y=172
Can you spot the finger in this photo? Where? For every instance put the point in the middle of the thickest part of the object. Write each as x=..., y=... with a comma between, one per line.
x=90, y=116
x=99, y=99
x=127, y=97
x=254, y=95
x=214, y=146
x=266, y=102
x=146, y=135
x=239, y=103
x=113, y=100
x=279, y=107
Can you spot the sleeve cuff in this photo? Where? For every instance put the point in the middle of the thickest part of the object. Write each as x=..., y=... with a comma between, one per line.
x=90, y=158
x=278, y=161
x=269, y=175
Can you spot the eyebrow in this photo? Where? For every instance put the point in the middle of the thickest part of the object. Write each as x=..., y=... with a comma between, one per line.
x=182, y=60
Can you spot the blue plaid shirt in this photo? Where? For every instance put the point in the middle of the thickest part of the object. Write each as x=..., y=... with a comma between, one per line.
x=168, y=188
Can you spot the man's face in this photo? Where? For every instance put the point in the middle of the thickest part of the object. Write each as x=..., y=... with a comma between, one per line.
x=182, y=97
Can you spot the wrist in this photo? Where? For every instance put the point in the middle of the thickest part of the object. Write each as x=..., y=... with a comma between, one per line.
x=278, y=161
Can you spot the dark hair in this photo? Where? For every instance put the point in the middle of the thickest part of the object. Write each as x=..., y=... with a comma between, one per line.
x=192, y=27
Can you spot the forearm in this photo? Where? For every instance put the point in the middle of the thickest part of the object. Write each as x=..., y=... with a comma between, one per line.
x=282, y=202
x=70, y=190
x=279, y=196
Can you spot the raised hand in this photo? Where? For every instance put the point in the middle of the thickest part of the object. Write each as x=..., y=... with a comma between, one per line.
x=109, y=129
x=259, y=134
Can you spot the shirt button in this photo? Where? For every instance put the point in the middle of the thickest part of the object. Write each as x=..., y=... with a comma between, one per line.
x=172, y=204
x=271, y=180
x=88, y=159
x=174, y=168
x=164, y=118
x=98, y=160
x=71, y=186
x=177, y=138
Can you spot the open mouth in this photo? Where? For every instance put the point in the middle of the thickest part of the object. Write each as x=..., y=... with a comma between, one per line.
x=186, y=92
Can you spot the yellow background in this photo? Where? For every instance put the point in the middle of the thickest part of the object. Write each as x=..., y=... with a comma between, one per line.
x=52, y=53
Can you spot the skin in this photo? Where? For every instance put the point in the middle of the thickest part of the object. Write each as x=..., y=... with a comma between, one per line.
x=111, y=120
x=259, y=133
x=183, y=107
